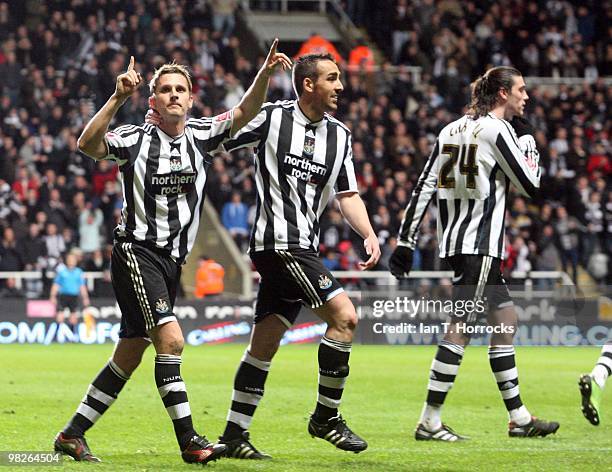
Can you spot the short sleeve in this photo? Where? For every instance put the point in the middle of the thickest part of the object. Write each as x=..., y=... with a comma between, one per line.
x=220, y=131
x=58, y=276
x=347, y=181
x=249, y=135
x=123, y=144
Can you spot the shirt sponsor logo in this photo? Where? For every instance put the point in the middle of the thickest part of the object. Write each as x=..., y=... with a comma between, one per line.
x=173, y=184
x=304, y=169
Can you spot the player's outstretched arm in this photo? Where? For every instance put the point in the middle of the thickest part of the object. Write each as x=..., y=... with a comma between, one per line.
x=356, y=215
x=254, y=97
x=91, y=141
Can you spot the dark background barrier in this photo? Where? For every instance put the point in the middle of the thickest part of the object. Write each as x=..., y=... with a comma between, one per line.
x=220, y=321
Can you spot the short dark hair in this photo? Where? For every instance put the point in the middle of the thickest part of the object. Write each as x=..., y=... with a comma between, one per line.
x=306, y=67
x=486, y=87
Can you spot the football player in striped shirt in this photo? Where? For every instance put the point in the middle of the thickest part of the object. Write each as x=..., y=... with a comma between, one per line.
x=473, y=163
x=303, y=159
x=592, y=385
x=163, y=174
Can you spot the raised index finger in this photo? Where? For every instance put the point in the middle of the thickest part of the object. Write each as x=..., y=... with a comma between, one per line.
x=273, y=47
x=131, y=65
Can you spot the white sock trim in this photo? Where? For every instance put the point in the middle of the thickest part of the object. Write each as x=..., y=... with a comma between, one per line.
x=431, y=416
x=249, y=359
x=118, y=370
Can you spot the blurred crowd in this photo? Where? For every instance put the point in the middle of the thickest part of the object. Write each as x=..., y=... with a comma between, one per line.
x=546, y=38
x=59, y=60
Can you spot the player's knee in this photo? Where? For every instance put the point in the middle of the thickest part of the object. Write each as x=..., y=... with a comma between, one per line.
x=502, y=339
x=270, y=351
x=264, y=349
x=128, y=365
x=346, y=320
x=454, y=337
x=176, y=346
x=171, y=345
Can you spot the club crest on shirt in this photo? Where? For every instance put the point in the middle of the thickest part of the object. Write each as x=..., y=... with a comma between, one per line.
x=175, y=157
x=324, y=282
x=175, y=164
x=162, y=307
x=309, y=145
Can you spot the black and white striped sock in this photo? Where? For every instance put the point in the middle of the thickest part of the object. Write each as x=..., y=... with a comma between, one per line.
x=504, y=369
x=603, y=368
x=248, y=391
x=444, y=368
x=333, y=371
x=443, y=371
x=100, y=395
x=173, y=393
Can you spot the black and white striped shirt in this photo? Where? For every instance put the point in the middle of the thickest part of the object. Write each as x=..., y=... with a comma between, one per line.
x=163, y=180
x=470, y=169
x=299, y=166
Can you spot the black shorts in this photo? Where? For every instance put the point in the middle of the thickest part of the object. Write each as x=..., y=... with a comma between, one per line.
x=145, y=283
x=68, y=301
x=289, y=279
x=478, y=283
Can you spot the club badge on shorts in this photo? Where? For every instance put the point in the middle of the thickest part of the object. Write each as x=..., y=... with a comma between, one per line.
x=162, y=307
x=324, y=282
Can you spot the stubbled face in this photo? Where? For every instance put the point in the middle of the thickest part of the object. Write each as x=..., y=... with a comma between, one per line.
x=172, y=98
x=517, y=98
x=328, y=86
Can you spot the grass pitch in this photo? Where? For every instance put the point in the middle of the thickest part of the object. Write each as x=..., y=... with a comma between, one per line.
x=42, y=385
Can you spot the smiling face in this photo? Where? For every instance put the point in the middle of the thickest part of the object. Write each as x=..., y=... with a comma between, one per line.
x=516, y=98
x=327, y=86
x=172, y=97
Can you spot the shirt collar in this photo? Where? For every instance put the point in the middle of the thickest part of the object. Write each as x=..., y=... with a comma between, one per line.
x=163, y=134
x=303, y=119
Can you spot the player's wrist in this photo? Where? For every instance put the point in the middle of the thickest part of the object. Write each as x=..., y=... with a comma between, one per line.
x=370, y=235
x=118, y=99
